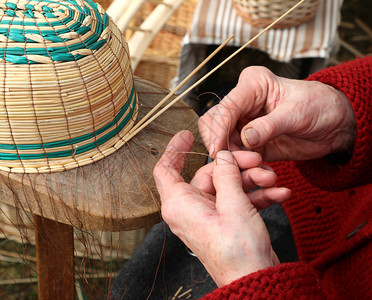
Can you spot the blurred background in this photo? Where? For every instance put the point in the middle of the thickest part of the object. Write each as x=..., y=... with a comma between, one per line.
x=159, y=64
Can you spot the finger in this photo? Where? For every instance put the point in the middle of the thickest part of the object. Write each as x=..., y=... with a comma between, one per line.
x=257, y=177
x=284, y=148
x=247, y=159
x=217, y=125
x=168, y=169
x=227, y=181
x=242, y=104
x=260, y=131
x=267, y=167
x=263, y=198
x=203, y=179
x=235, y=142
x=233, y=147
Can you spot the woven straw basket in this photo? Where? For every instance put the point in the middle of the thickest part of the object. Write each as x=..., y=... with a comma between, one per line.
x=160, y=61
x=66, y=90
x=261, y=13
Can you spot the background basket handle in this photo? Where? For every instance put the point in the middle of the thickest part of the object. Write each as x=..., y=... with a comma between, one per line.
x=122, y=11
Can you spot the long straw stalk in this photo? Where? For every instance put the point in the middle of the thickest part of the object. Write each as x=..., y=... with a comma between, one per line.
x=133, y=133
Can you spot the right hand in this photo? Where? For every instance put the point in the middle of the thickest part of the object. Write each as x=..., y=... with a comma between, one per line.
x=283, y=119
x=215, y=214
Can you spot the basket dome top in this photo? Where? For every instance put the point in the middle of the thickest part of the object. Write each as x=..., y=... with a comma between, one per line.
x=50, y=31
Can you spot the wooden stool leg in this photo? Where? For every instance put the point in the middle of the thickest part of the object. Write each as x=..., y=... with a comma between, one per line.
x=55, y=259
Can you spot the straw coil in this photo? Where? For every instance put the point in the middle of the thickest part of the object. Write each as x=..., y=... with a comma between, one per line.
x=66, y=90
x=261, y=13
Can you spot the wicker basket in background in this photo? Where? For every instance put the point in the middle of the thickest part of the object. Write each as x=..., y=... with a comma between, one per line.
x=261, y=13
x=161, y=59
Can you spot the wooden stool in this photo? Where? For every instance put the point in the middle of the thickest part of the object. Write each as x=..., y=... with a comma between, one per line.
x=78, y=198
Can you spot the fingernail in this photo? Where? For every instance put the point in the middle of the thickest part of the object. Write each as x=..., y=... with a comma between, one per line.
x=252, y=136
x=270, y=172
x=224, y=157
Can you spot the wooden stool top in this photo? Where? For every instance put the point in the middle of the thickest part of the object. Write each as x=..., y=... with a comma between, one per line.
x=116, y=193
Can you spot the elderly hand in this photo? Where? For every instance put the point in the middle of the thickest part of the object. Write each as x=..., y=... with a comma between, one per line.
x=283, y=119
x=214, y=215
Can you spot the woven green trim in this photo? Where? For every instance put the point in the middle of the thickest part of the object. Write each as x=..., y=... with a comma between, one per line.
x=81, y=149
x=66, y=17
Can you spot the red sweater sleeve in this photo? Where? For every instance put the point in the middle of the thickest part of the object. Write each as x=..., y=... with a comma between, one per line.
x=299, y=280
x=354, y=79
x=285, y=281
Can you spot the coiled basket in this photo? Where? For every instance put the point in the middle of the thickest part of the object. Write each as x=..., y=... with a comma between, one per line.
x=261, y=13
x=67, y=95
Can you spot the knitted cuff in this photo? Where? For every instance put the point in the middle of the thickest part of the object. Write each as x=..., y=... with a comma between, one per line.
x=354, y=79
x=285, y=281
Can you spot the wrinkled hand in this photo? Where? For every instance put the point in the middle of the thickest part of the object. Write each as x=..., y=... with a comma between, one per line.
x=280, y=118
x=214, y=215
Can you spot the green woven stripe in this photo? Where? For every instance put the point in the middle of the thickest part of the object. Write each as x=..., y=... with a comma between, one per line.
x=80, y=149
x=46, y=29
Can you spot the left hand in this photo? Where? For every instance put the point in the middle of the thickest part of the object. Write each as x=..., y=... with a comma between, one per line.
x=283, y=119
x=214, y=215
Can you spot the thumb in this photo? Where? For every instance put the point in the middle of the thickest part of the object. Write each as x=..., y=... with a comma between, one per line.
x=228, y=183
x=260, y=131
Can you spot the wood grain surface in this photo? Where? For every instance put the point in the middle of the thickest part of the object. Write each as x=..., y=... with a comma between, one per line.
x=55, y=260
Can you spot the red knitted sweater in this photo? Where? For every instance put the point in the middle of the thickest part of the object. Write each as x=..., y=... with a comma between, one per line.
x=330, y=212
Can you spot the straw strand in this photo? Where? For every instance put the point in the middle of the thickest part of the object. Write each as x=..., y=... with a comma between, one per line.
x=164, y=100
